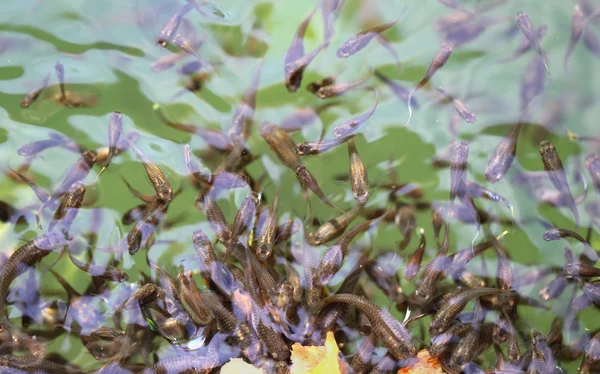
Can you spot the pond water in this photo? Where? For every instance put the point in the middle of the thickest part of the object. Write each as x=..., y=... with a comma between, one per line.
x=110, y=56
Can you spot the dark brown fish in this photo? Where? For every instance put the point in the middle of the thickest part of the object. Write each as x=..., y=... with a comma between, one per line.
x=454, y=304
x=556, y=173
x=266, y=242
x=400, y=92
x=161, y=185
x=217, y=220
x=33, y=95
x=359, y=41
x=433, y=272
x=359, y=182
x=576, y=31
x=115, y=127
x=307, y=180
x=241, y=123
x=337, y=89
x=348, y=127
x=414, y=262
x=244, y=217
x=281, y=143
x=527, y=28
x=317, y=147
x=439, y=60
x=25, y=364
x=110, y=273
x=332, y=229
x=204, y=252
x=406, y=221
x=295, y=58
x=392, y=334
x=581, y=271
x=67, y=210
x=503, y=156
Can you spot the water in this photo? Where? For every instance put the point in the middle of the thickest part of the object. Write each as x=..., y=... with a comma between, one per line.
x=108, y=47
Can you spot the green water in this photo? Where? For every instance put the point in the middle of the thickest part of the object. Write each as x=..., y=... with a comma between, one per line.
x=107, y=48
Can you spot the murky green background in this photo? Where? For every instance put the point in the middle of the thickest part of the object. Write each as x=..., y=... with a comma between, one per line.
x=107, y=48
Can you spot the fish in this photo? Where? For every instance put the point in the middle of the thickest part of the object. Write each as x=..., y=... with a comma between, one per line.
x=347, y=127
x=215, y=139
x=317, y=147
x=460, y=107
x=306, y=179
x=42, y=195
x=217, y=220
x=359, y=41
x=333, y=258
x=190, y=296
x=591, y=42
x=60, y=74
x=266, y=242
x=591, y=356
x=532, y=82
x=242, y=118
x=337, y=89
x=592, y=164
x=329, y=10
x=392, y=334
x=433, y=272
x=476, y=190
x=21, y=260
x=329, y=315
x=296, y=60
x=556, y=173
x=169, y=30
x=115, y=126
x=35, y=364
x=364, y=352
x=167, y=61
x=503, y=156
x=244, y=217
x=439, y=60
x=205, y=252
x=458, y=170
x=282, y=144
x=34, y=94
x=527, y=28
x=68, y=209
x=576, y=32
x=359, y=182
x=38, y=146
x=161, y=185
x=313, y=87
x=406, y=221
x=525, y=45
x=554, y=289
x=399, y=91
x=454, y=304
x=581, y=271
x=106, y=272
x=541, y=360
x=178, y=364
x=333, y=228
x=414, y=262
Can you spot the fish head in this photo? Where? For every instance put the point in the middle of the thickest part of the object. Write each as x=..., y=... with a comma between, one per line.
x=90, y=157
x=361, y=197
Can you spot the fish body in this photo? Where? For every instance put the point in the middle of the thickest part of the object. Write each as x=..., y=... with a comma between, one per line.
x=296, y=60
x=242, y=118
x=556, y=173
x=348, y=127
x=359, y=41
x=337, y=89
x=503, y=156
x=317, y=147
x=527, y=28
x=576, y=32
x=332, y=229
x=266, y=242
x=115, y=127
x=161, y=185
x=281, y=143
x=33, y=95
x=359, y=182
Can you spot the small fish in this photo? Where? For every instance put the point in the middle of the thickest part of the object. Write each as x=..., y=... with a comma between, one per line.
x=525, y=45
x=504, y=274
x=266, y=242
x=338, y=89
x=334, y=257
x=460, y=107
x=67, y=210
x=190, y=297
x=333, y=228
x=359, y=41
x=239, y=131
x=527, y=28
x=400, y=92
x=433, y=272
x=38, y=146
x=24, y=364
x=454, y=304
x=458, y=170
x=244, y=217
x=576, y=31
x=591, y=42
x=581, y=271
x=115, y=126
x=358, y=175
x=329, y=10
x=317, y=147
x=592, y=355
x=313, y=87
x=33, y=95
x=503, y=156
x=42, y=195
x=406, y=221
x=204, y=252
x=440, y=342
x=351, y=125
x=541, y=360
x=439, y=60
x=161, y=185
x=167, y=61
x=281, y=143
x=556, y=173
x=414, y=262
x=329, y=315
x=392, y=334
x=60, y=74
x=169, y=30
x=217, y=220
x=295, y=58
x=476, y=190
x=307, y=180
x=102, y=271
x=592, y=164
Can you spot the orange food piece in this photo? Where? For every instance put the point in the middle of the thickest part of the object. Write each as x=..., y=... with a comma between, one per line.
x=316, y=360
x=425, y=365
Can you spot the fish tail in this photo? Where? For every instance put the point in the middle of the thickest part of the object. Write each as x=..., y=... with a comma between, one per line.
x=409, y=101
x=100, y=173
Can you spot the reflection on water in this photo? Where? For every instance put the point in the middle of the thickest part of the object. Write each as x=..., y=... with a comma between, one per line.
x=210, y=75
